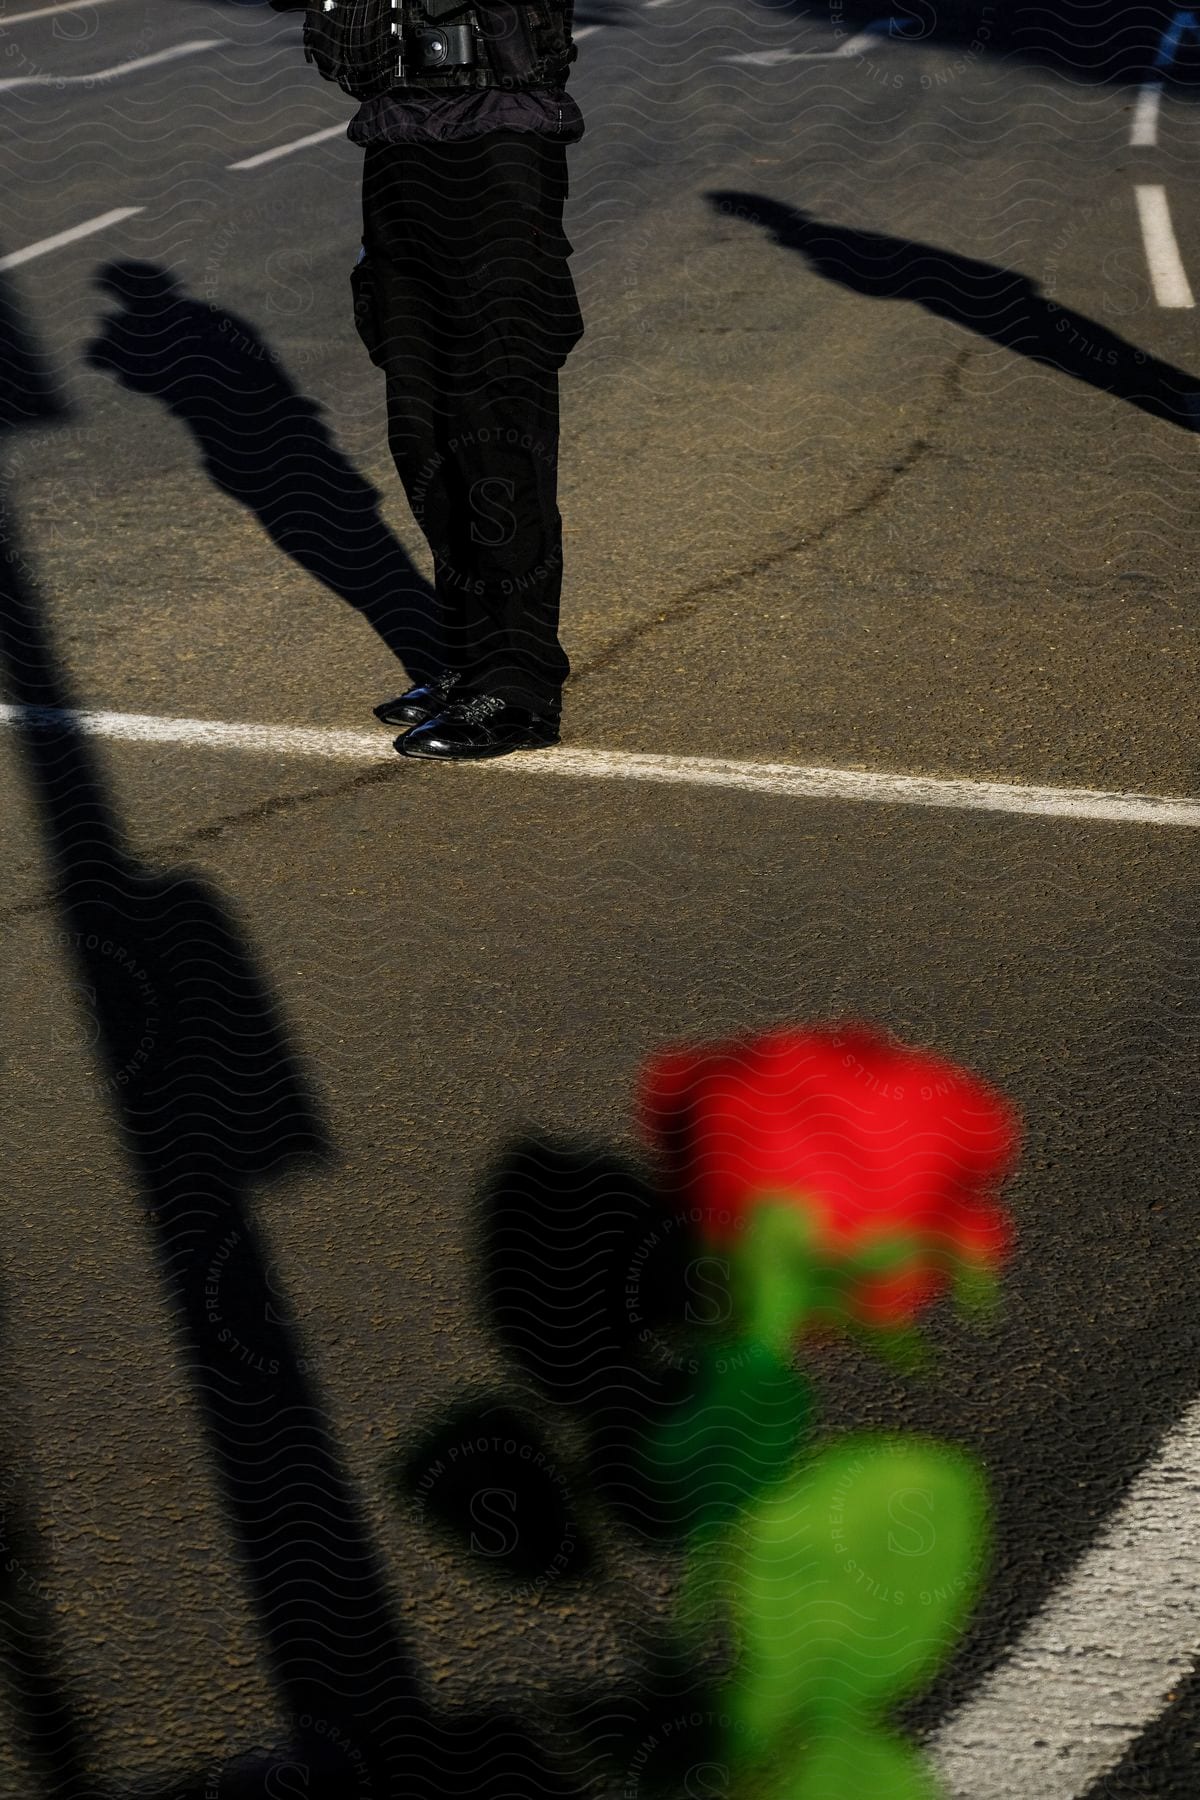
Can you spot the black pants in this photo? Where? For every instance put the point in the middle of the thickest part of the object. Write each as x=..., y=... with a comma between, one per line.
x=465, y=299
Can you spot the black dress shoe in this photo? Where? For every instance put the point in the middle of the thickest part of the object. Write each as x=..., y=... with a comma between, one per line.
x=483, y=725
x=422, y=702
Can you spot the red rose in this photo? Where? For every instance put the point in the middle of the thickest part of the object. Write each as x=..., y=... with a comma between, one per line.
x=873, y=1139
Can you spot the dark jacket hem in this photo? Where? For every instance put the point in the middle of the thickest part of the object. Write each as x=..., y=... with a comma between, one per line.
x=409, y=116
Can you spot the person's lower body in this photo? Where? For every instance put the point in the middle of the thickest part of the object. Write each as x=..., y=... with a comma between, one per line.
x=480, y=472
x=465, y=299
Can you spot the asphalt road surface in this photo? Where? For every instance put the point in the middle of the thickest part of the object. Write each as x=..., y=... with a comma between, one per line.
x=879, y=459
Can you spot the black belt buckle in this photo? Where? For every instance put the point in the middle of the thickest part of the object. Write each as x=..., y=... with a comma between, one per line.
x=442, y=47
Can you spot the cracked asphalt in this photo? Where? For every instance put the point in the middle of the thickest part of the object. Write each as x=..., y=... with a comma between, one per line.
x=807, y=520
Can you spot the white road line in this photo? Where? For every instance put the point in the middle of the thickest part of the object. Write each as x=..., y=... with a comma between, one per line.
x=1167, y=274
x=790, y=779
x=1144, y=129
x=43, y=12
x=314, y=137
x=1101, y=1659
x=43, y=79
x=44, y=245
x=855, y=46
x=766, y=58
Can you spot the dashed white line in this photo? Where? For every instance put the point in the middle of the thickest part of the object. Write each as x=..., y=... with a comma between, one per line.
x=44, y=79
x=1167, y=274
x=855, y=46
x=16, y=257
x=1102, y=1658
x=1144, y=129
x=44, y=12
x=314, y=137
x=788, y=779
x=852, y=47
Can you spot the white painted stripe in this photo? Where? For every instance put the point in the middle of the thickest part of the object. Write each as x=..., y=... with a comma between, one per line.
x=1144, y=129
x=1101, y=1659
x=584, y=31
x=44, y=12
x=1167, y=275
x=792, y=779
x=212, y=734
x=44, y=245
x=43, y=79
x=855, y=46
x=811, y=783
x=767, y=58
x=852, y=47
x=314, y=137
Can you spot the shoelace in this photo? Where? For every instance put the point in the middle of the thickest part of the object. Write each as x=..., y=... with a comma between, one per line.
x=475, y=708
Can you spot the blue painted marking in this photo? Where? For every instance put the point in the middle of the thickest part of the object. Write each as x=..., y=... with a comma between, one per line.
x=1173, y=36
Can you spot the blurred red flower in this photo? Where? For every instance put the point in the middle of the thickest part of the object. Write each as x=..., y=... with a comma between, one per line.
x=872, y=1139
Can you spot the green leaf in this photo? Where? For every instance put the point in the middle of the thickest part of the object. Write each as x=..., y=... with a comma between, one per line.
x=854, y=1579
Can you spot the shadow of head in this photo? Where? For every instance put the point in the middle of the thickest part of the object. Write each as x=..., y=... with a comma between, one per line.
x=163, y=341
x=263, y=443
x=876, y=263
x=135, y=343
x=995, y=302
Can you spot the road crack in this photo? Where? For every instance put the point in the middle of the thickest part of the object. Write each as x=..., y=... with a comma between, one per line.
x=272, y=808
x=706, y=591
x=281, y=804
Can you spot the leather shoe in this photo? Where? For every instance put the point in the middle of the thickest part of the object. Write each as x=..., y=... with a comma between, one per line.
x=422, y=702
x=483, y=725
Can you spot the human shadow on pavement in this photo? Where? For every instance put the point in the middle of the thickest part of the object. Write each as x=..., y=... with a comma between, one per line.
x=995, y=303
x=209, y=1101
x=266, y=446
